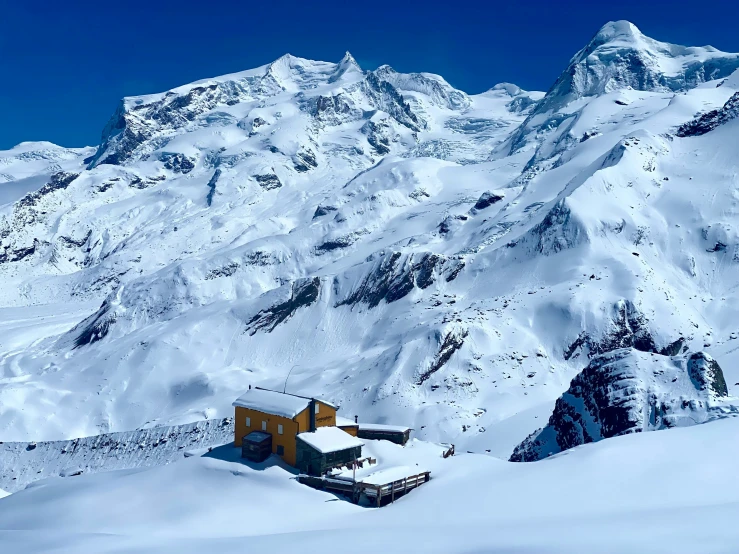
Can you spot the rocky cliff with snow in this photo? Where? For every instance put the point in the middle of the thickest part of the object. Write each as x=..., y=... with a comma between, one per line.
x=626, y=391
x=412, y=252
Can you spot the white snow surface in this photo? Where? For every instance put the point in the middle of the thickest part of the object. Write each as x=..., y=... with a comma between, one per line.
x=662, y=492
x=272, y=402
x=383, y=427
x=314, y=215
x=329, y=439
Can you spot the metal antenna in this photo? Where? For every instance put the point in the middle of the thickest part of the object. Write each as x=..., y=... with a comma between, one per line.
x=288, y=376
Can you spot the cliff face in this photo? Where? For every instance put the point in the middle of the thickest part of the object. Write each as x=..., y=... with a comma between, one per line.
x=627, y=391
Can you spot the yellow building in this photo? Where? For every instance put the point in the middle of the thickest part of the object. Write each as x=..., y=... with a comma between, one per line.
x=281, y=416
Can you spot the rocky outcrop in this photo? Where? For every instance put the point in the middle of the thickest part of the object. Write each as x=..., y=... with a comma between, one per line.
x=386, y=97
x=268, y=181
x=559, y=230
x=179, y=163
x=627, y=391
x=304, y=292
x=393, y=276
x=451, y=342
x=626, y=327
x=378, y=136
x=487, y=199
x=711, y=120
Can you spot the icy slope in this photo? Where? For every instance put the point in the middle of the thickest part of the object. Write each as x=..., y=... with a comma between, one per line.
x=357, y=226
x=654, y=492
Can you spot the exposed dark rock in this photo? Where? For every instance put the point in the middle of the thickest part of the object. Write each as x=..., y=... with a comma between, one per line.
x=323, y=210
x=451, y=222
x=225, y=271
x=179, y=163
x=452, y=342
x=304, y=293
x=268, y=181
x=58, y=181
x=304, y=160
x=487, y=199
x=378, y=136
x=394, y=276
x=627, y=391
x=16, y=255
x=456, y=267
x=70, y=242
x=674, y=348
x=132, y=125
x=334, y=109
x=337, y=243
x=706, y=374
x=94, y=328
x=709, y=121
x=558, y=231
x=628, y=327
x=212, y=186
x=386, y=97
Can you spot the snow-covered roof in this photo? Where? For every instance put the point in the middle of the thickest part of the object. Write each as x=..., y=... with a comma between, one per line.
x=275, y=402
x=345, y=422
x=382, y=427
x=329, y=439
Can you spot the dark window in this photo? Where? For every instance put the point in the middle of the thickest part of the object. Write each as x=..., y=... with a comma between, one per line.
x=280, y=450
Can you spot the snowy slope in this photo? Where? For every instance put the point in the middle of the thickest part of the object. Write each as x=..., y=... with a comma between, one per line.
x=657, y=492
x=415, y=253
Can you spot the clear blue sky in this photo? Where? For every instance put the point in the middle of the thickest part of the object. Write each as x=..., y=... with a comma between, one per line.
x=65, y=65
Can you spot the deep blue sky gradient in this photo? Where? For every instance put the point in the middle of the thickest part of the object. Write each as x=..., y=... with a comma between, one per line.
x=64, y=65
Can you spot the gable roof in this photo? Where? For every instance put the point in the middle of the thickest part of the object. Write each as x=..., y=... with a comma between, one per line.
x=274, y=402
x=329, y=439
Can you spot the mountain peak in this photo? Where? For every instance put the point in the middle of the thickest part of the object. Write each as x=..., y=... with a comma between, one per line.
x=615, y=30
x=508, y=88
x=347, y=65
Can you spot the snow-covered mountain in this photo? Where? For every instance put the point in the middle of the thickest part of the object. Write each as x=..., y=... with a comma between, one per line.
x=412, y=252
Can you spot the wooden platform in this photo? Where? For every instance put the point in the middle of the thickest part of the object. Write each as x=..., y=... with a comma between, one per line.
x=377, y=494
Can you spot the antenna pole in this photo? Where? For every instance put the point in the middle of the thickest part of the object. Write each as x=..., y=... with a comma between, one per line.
x=288, y=376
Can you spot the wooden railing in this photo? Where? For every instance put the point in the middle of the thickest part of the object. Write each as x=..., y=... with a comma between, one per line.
x=401, y=486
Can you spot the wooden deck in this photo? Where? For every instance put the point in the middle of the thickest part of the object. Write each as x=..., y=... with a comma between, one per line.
x=388, y=492
x=377, y=495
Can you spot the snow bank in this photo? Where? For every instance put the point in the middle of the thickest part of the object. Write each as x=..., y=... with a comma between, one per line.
x=656, y=492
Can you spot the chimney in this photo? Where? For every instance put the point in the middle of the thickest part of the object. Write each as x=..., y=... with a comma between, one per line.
x=356, y=419
x=312, y=415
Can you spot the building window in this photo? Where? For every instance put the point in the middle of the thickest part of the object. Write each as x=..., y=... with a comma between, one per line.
x=279, y=429
x=264, y=426
x=248, y=422
x=280, y=450
x=317, y=406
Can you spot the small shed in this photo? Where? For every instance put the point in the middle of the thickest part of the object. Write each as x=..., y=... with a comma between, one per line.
x=324, y=448
x=256, y=446
x=376, y=431
x=348, y=425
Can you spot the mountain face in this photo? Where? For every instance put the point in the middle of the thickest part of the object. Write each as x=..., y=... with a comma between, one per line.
x=626, y=391
x=412, y=252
